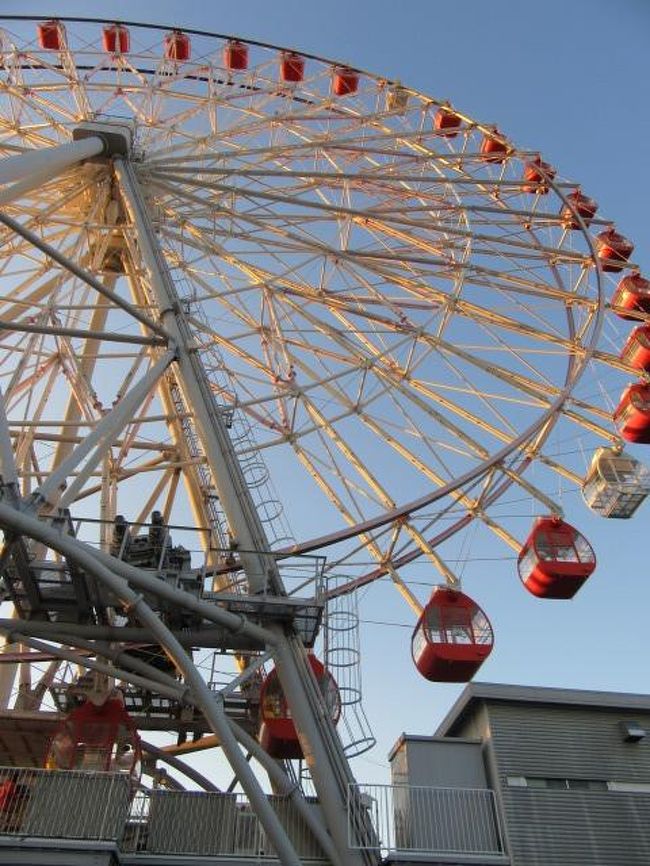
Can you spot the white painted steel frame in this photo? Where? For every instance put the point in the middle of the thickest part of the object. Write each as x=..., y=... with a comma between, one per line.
x=337, y=271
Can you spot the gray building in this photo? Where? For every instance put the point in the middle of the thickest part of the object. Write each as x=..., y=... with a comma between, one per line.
x=539, y=775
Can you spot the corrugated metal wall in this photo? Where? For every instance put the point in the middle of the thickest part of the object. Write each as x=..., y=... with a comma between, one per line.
x=577, y=828
x=571, y=827
x=544, y=740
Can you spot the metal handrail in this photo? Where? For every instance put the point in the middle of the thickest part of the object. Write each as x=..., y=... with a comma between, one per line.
x=432, y=820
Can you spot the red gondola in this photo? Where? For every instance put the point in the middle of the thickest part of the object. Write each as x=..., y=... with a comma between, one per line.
x=50, y=35
x=555, y=560
x=292, y=67
x=632, y=415
x=177, y=46
x=636, y=351
x=116, y=39
x=578, y=205
x=632, y=295
x=452, y=639
x=537, y=175
x=494, y=148
x=446, y=122
x=235, y=55
x=97, y=737
x=278, y=735
x=345, y=81
x=613, y=250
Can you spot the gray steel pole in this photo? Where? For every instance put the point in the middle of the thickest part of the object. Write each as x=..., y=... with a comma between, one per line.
x=229, y=479
x=51, y=159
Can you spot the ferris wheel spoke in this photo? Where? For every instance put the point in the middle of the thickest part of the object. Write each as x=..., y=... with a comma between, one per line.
x=391, y=381
x=369, y=542
x=69, y=265
x=44, y=113
x=491, y=243
x=471, y=310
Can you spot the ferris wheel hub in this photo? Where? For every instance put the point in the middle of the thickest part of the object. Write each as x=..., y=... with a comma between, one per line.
x=117, y=136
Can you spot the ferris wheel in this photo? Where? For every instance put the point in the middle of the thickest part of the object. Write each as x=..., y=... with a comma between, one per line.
x=246, y=289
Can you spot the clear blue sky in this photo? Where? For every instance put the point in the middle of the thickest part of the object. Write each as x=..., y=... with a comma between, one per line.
x=566, y=77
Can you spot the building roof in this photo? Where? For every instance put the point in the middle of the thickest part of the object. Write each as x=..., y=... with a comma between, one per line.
x=419, y=738
x=474, y=693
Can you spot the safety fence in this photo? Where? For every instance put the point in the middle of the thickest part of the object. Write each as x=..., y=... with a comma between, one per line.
x=425, y=820
x=62, y=804
x=211, y=824
x=102, y=806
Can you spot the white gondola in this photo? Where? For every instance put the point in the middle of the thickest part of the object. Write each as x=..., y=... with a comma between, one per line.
x=616, y=483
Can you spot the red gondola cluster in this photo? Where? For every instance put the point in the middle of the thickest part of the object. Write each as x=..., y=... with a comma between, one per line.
x=632, y=415
x=453, y=636
x=278, y=735
x=630, y=301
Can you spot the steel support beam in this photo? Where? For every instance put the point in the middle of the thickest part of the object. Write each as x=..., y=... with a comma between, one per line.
x=100, y=438
x=179, y=765
x=83, y=275
x=57, y=331
x=7, y=463
x=52, y=159
x=229, y=479
x=16, y=636
x=322, y=748
x=210, y=704
x=207, y=638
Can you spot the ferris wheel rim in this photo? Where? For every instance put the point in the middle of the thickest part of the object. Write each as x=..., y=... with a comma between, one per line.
x=576, y=365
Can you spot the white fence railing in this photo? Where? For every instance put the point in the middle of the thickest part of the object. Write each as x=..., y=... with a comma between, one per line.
x=63, y=804
x=427, y=820
x=210, y=825
x=91, y=805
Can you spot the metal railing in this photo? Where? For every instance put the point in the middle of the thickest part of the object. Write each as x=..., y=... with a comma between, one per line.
x=63, y=804
x=100, y=806
x=426, y=820
x=71, y=804
x=209, y=825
